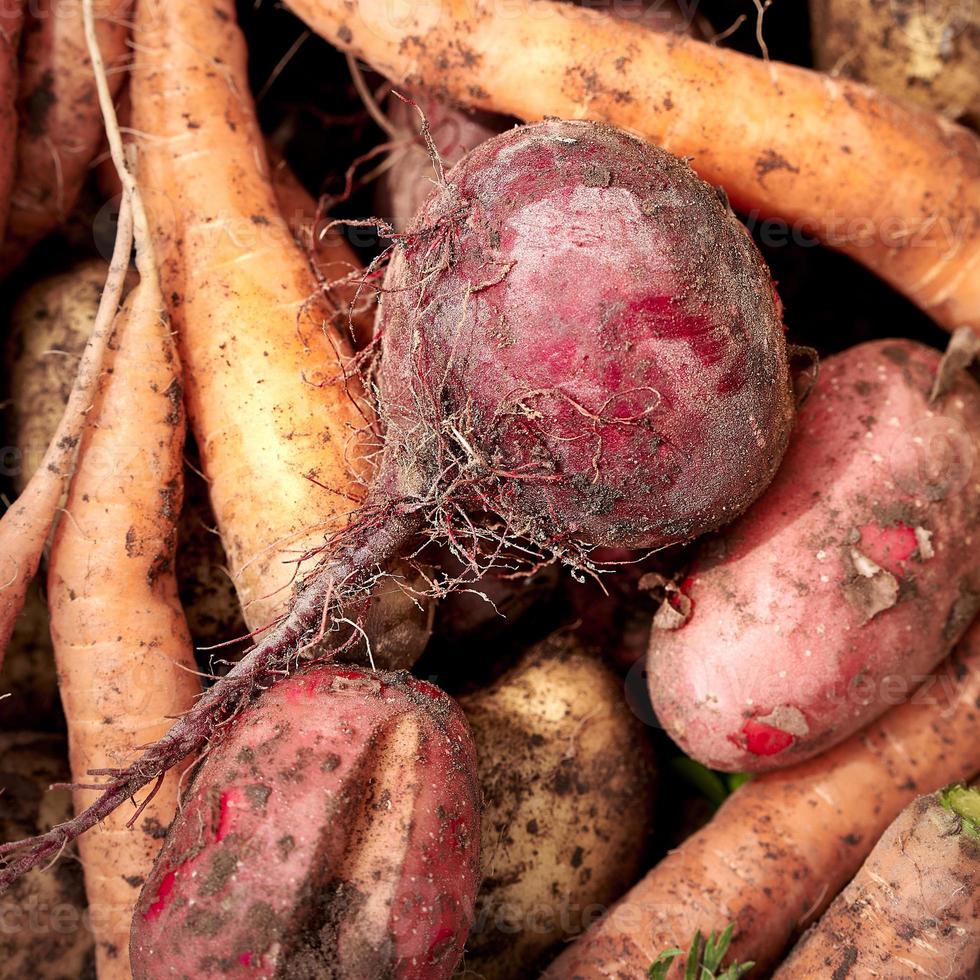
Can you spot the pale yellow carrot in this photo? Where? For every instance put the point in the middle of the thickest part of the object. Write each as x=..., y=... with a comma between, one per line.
x=276, y=422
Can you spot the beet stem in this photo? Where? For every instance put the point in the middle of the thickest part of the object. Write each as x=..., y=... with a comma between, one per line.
x=344, y=572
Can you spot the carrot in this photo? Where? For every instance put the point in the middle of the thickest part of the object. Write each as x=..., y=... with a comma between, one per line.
x=822, y=154
x=784, y=844
x=11, y=21
x=337, y=266
x=124, y=655
x=913, y=910
x=60, y=125
x=24, y=527
x=274, y=418
x=335, y=262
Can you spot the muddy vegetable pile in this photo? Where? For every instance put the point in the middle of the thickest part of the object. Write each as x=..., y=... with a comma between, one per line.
x=490, y=491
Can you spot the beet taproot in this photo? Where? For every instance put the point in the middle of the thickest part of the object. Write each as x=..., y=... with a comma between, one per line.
x=334, y=830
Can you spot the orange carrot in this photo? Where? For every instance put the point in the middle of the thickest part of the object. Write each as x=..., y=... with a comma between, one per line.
x=823, y=154
x=124, y=655
x=60, y=125
x=274, y=418
x=783, y=845
x=336, y=263
x=11, y=21
x=278, y=427
x=913, y=910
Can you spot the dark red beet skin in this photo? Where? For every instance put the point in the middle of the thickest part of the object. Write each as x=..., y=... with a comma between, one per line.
x=333, y=830
x=578, y=335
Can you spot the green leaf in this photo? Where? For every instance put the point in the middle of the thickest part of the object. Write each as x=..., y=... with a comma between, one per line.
x=715, y=949
x=704, y=780
x=736, y=971
x=703, y=959
x=660, y=967
x=692, y=970
x=736, y=779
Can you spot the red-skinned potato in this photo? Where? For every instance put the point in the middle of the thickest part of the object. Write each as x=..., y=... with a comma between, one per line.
x=845, y=584
x=333, y=831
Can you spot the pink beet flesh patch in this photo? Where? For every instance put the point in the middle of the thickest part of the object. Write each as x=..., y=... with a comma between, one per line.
x=889, y=547
x=763, y=739
x=226, y=807
x=163, y=894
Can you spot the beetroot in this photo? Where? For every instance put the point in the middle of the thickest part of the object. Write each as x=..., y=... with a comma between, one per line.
x=580, y=346
x=580, y=337
x=334, y=831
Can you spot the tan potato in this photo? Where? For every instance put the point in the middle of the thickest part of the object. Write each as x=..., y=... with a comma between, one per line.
x=50, y=325
x=925, y=51
x=28, y=676
x=44, y=930
x=399, y=622
x=567, y=777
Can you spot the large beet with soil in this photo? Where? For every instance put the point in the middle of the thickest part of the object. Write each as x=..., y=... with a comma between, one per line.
x=579, y=337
